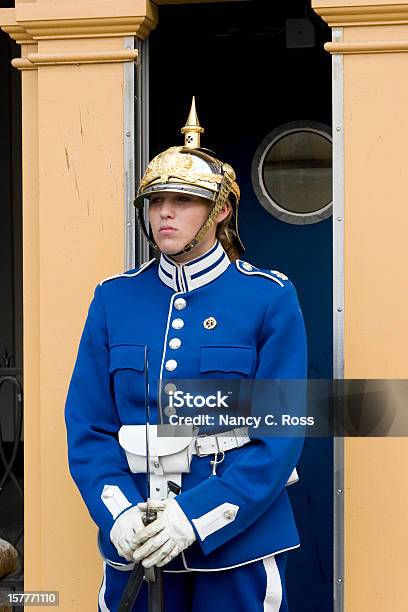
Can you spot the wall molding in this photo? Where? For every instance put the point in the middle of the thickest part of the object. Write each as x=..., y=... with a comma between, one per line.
x=356, y=13
x=371, y=46
x=63, y=20
x=22, y=63
x=93, y=57
x=139, y=26
x=18, y=33
x=66, y=19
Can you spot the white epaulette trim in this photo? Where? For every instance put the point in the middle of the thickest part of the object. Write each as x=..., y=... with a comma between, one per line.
x=250, y=270
x=141, y=269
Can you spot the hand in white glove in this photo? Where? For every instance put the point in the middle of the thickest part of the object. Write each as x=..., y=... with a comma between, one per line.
x=123, y=531
x=162, y=540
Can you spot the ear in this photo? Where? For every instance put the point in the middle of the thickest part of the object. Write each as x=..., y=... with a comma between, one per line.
x=223, y=214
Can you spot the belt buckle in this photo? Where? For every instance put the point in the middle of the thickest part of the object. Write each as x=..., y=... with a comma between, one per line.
x=197, y=446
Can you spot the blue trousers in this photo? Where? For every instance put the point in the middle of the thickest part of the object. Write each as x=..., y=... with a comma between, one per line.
x=255, y=587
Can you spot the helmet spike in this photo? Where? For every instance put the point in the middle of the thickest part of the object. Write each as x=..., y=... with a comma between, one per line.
x=192, y=130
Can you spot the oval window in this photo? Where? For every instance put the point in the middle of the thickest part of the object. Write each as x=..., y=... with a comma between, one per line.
x=292, y=172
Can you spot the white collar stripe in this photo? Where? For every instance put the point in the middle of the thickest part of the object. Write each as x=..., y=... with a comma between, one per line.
x=208, y=268
x=169, y=281
x=167, y=265
x=216, y=247
x=204, y=263
x=211, y=275
x=166, y=273
x=195, y=273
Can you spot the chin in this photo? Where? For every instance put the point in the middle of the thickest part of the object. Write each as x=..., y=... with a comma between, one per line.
x=168, y=246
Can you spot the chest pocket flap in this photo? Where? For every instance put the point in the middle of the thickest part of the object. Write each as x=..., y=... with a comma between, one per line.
x=127, y=356
x=227, y=359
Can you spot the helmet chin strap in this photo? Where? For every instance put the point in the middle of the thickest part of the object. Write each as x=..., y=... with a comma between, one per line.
x=222, y=196
x=188, y=247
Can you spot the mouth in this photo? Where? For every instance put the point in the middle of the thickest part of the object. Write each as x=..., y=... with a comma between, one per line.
x=167, y=230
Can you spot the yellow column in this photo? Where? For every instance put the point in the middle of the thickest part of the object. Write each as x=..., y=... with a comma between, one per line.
x=372, y=39
x=74, y=55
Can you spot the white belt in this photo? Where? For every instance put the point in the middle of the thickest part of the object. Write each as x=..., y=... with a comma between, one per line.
x=223, y=441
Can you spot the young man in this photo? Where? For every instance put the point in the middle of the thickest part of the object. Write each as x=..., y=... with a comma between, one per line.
x=202, y=314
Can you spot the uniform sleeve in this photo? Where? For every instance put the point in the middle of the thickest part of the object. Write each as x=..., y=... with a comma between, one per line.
x=222, y=507
x=97, y=463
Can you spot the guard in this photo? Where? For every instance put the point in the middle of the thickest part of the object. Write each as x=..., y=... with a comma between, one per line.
x=199, y=312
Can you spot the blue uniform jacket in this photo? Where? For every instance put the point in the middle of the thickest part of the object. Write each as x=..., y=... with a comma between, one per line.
x=258, y=334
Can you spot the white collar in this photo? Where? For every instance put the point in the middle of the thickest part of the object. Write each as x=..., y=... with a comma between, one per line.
x=195, y=273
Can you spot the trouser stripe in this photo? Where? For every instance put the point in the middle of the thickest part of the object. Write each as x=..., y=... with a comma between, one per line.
x=273, y=595
x=101, y=597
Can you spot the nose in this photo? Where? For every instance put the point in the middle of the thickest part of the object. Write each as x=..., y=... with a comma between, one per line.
x=166, y=208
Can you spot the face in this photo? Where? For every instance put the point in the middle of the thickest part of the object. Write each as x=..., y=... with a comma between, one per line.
x=175, y=219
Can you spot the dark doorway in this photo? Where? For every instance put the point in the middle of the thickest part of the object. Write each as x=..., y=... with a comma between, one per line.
x=253, y=66
x=11, y=310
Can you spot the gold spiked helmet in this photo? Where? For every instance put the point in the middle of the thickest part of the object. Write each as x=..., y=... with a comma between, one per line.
x=192, y=170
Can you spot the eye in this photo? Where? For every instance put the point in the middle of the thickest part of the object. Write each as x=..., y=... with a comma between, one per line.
x=155, y=200
x=184, y=198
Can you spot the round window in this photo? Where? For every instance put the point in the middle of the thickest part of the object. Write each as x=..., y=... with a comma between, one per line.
x=292, y=172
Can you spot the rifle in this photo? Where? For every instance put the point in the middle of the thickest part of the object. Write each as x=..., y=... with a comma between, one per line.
x=152, y=575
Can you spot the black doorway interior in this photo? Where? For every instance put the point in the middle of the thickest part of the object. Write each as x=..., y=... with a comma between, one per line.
x=253, y=66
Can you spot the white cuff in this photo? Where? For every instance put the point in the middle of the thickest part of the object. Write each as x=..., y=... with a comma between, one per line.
x=215, y=519
x=114, y=500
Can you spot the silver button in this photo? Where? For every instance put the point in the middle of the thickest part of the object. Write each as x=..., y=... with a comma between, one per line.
x=177, y=324
x=170, y=388
x=175, y=343
x=180, y=303
x=169, y=411
x=229, y=514
x=171, y=365
x=108, y=492
x=247, y=266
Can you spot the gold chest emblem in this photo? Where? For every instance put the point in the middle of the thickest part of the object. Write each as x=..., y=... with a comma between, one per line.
x=210, y=323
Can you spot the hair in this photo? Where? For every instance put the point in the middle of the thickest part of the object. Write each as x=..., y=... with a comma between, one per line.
x=226, y=234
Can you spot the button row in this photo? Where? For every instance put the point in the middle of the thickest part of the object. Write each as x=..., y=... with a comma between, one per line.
x=177, y=324
x=171, y=365
x=180, y=303
x=169, y=411
x=175, y=343
x=170, y=388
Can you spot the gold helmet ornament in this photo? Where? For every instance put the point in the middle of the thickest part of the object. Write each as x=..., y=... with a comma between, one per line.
x=193, y=170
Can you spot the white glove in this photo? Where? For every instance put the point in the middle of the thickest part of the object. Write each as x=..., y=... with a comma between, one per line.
x=162, y=540
x=123, y=531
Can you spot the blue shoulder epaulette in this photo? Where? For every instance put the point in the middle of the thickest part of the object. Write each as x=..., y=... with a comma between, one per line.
x=250, y=270
x=129, y=274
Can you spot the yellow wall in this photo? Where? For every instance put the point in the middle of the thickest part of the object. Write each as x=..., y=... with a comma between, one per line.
x=73, y=61
x=376, y=314
x=376, y=287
